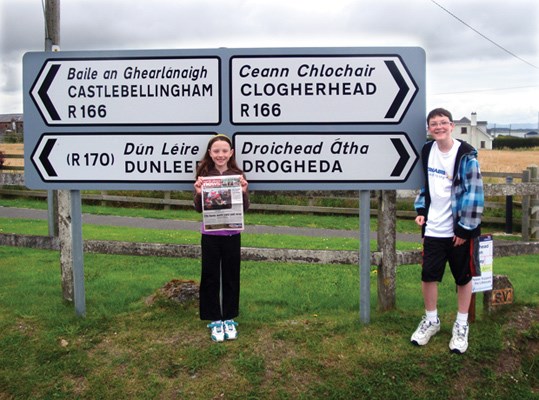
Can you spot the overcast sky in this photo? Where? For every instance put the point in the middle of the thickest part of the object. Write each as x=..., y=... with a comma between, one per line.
x=482, y=55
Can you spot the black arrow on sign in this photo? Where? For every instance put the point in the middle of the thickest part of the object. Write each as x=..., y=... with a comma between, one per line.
x=44, y=157
x=403, y=89
x=404, y=157
x=45, y=88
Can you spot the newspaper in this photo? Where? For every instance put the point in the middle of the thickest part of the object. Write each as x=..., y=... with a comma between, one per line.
x=222, y=203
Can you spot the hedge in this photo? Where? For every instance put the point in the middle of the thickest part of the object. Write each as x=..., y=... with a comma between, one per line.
x=512, y=142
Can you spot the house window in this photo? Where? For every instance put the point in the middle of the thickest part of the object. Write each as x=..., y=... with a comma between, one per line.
x=464, y=130
x=482, y=144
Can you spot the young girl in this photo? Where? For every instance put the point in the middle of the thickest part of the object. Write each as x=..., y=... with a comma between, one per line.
x=220, y=278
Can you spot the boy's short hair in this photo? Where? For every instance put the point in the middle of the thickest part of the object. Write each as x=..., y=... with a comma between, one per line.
x=439, y=112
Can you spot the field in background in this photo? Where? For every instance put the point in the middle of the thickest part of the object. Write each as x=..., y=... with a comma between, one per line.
x=13, y=148
x=507, y=160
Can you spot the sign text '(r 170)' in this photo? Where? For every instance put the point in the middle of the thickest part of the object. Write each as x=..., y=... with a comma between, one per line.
x=90, y=159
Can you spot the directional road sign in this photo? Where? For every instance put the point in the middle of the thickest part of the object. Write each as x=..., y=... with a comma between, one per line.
x=346, y=118
x=127, y=91
x=328, y=157
x=322, y=89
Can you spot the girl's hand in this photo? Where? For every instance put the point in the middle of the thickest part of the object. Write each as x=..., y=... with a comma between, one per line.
x=420, y=220
x=198, y=185
x=243, y=183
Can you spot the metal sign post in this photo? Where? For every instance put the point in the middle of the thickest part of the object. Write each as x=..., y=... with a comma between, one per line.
x=79, y=295
x=364, y=257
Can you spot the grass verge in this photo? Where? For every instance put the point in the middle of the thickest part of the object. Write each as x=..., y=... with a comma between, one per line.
x=300, y=336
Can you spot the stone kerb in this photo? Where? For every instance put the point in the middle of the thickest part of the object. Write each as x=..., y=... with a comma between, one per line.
x=501, y=249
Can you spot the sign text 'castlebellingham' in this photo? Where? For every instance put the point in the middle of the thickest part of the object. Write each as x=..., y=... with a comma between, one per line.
x=128, y=92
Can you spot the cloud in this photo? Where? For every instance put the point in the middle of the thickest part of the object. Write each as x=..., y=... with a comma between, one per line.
x=461, y=63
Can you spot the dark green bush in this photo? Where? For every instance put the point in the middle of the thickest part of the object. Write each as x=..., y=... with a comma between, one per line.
x=13, y=137
x=511, y=142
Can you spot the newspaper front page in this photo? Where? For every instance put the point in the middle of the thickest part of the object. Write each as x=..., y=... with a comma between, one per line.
x=222, y=203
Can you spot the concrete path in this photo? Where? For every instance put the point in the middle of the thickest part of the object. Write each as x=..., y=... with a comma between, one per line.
x=168, y=224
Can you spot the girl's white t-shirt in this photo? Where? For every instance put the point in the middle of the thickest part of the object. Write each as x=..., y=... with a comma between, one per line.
x=440, y=175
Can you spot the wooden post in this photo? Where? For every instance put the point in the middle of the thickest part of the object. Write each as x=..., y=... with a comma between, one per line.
x=60, y=211
x=65, y=239
x=471, y=310
x=52, y=24
x=103, y=202
x=509, y=208
x=534, y=206
x=52, y=39
x=525, y=209
x=387, y=233
x=167, y=198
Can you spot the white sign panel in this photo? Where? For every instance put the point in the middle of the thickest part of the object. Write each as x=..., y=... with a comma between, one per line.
x=129, y=91
x=104, y=120
x=119, y=158
x=486, y=250
x=321, y=89
x=336, y=157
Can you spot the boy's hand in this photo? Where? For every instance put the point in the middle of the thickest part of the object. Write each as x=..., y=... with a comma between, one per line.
x=420, y=220
x=458, y=241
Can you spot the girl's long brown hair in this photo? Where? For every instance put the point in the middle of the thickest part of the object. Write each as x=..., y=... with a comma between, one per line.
x=207, y=164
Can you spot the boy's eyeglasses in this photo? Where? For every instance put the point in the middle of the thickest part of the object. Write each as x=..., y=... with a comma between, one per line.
x=436, y=124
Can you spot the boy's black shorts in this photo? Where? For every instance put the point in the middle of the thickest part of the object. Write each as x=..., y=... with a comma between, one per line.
x=438, y=251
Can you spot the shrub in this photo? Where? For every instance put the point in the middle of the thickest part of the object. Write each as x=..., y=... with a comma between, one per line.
x=511, y=142
x=13, y=137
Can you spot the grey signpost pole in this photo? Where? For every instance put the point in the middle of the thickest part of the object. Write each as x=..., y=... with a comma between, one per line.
x=364, y=257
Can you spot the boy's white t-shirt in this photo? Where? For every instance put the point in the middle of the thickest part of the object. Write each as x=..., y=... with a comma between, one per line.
x=440, y=175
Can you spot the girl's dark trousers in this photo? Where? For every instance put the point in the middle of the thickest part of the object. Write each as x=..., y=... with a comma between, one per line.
x=221, y=256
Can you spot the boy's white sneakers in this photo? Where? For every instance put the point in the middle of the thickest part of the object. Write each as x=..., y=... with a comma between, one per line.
x=459, y=341
x=425, y=331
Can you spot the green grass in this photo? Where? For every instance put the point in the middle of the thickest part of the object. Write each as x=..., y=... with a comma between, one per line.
x=346, y=222
x=95, y=232
x=185, y=237
x=300, y=335
x=103, y=232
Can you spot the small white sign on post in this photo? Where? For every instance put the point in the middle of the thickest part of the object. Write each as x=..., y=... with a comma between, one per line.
x=484, y=281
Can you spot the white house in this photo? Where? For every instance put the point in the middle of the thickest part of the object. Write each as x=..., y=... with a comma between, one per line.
x=473, y=132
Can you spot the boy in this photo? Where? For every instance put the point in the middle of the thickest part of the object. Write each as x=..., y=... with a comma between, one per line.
x=449, y=209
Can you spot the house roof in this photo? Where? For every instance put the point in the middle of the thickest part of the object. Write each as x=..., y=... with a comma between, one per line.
x=11, y=117
x=467, y=121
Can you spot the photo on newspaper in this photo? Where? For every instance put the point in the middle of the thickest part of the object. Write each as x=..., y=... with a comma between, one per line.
x=222, y=203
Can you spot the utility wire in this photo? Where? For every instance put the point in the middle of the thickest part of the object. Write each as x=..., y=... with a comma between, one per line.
x=483, y=36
